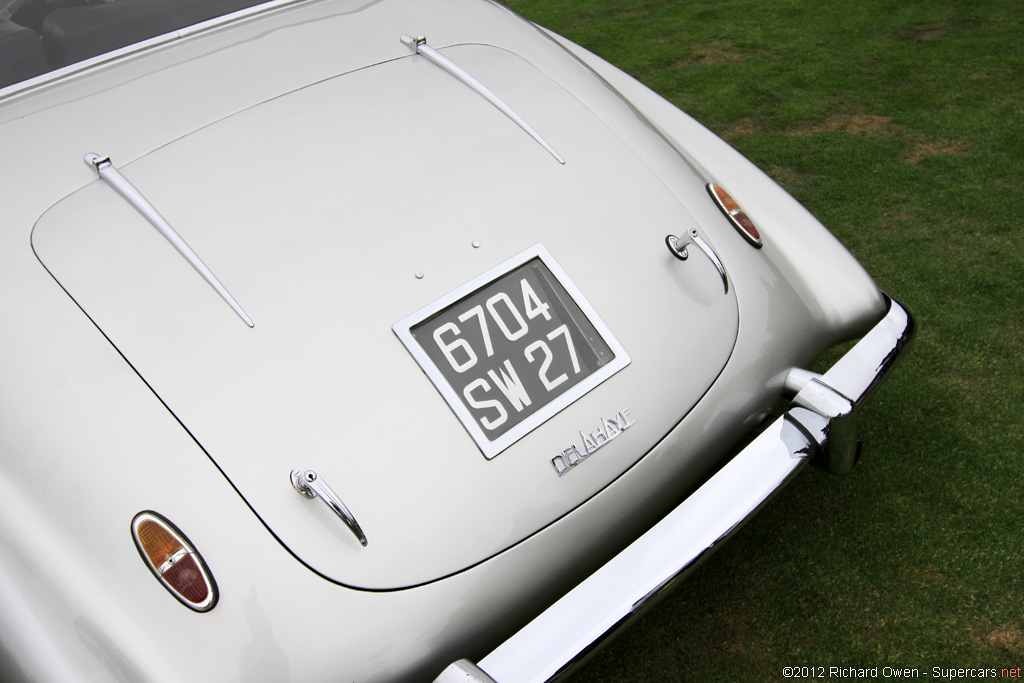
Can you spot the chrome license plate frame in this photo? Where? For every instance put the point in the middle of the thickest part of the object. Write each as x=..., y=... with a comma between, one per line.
x=521, y=336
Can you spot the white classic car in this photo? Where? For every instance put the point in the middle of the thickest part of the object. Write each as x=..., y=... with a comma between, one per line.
x=391, y=340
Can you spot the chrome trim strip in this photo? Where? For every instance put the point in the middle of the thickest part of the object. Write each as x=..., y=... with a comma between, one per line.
x=141, y=46
x=420, y=46
x=112, y=177
x=309, y=484
x=572, y=628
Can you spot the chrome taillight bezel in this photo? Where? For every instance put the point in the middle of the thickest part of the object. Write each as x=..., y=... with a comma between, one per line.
x=184, y=556
x=737, y=216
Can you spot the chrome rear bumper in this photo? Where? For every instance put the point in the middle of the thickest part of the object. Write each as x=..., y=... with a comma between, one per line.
x=820, y=423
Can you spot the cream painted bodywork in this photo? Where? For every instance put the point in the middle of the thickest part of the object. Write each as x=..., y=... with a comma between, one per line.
x=85, y=444
x=323, y=254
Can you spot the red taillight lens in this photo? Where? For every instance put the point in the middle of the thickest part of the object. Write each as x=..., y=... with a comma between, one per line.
x=187, y=579
x=174, y=561
x=740, y=220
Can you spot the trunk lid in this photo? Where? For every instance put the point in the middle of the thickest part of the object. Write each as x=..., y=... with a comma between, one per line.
x=356, y=208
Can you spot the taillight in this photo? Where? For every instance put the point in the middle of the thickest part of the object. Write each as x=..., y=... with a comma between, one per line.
x=174, y=561
x=737, y=216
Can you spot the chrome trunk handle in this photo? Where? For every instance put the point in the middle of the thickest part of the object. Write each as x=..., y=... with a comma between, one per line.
x=678, y=247
x=309, y=484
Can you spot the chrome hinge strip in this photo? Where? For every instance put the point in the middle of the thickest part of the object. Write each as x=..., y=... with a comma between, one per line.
x=112, y=177
x=420, y=46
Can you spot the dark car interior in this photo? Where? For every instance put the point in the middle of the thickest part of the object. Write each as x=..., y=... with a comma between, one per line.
x=44, y=35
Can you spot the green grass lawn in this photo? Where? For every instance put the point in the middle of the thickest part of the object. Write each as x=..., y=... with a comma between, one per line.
x=899, y=124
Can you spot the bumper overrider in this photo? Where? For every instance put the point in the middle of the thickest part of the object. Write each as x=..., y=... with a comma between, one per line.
x=820, y=425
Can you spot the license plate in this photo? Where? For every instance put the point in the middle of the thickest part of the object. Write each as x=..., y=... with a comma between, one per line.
x=512, y=348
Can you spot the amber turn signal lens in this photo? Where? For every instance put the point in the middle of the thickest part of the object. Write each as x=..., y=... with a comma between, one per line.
x=740, y=220
x=174, y=561
x=156, y=541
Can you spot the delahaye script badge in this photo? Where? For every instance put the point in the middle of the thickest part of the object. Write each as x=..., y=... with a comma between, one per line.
x=591, y=442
